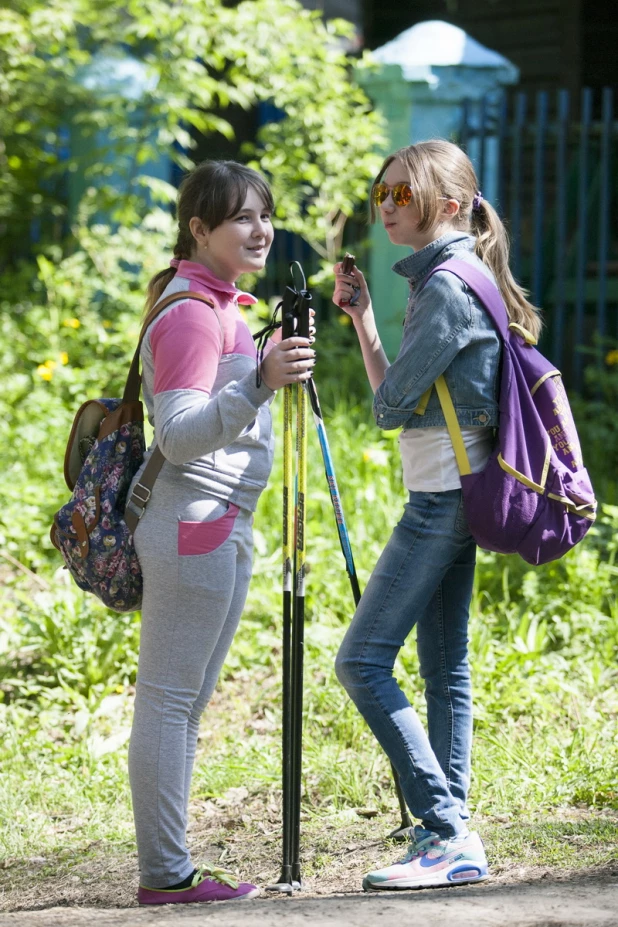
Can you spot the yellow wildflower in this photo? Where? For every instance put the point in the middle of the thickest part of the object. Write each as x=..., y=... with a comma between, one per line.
x=611, y=358
x=64, y=358
x=71, y=323
x=45, y=371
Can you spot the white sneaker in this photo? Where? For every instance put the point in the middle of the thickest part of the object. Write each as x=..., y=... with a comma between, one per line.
x=432, y=862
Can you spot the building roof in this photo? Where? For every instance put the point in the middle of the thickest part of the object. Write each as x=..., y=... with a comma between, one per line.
x=435, y=43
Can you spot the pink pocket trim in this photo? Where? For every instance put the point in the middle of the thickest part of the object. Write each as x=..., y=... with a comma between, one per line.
x=202, y=537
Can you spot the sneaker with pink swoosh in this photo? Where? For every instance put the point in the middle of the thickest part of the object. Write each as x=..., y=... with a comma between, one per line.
x=432, y=862
x=209, y=884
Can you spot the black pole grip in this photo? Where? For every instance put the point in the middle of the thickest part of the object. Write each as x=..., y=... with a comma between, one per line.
x=295, y=313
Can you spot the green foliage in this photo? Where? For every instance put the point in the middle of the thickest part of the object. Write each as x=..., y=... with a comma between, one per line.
x=598, y=424
x=62, y=643
x=64, y=109
x=68, y=327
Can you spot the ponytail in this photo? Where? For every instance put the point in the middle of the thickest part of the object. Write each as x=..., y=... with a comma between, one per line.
x=156, y=286
x=492, y=247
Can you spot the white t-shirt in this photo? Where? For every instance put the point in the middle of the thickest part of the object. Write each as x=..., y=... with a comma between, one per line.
x=428, y=458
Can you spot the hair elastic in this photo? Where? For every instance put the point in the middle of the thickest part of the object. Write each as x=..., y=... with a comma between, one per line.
x=476, y=202
x=175, y=262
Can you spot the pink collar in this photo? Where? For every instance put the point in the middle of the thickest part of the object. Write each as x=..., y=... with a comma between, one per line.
x=202, y=275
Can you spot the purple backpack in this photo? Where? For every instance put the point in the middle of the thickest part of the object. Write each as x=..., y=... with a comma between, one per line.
x=534, y=496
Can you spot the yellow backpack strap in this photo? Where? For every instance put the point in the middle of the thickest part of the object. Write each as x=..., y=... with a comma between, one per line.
x=422, y=403
x=448, y=410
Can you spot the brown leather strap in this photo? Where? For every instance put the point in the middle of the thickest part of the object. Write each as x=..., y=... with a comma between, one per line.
x=143, y=489
x=134, y=381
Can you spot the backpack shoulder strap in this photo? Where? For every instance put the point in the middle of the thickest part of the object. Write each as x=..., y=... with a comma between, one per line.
x=142, y=490
x=134, y=380
x=487, y=292
x=490, y=296
x=454, y=430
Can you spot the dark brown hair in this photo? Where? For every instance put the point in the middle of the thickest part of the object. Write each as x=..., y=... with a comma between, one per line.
x=439, y=169
x=213, y=191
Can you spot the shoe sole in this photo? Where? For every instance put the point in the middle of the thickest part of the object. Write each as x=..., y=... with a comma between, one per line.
x=438, y=880
x=252, y=894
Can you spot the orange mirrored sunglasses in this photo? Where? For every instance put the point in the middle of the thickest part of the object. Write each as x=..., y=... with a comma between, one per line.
x=402, y=193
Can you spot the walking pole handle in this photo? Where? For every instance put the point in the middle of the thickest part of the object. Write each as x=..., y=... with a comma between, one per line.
x=295, y=308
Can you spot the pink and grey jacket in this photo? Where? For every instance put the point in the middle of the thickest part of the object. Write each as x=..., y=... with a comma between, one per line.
x=211, y=421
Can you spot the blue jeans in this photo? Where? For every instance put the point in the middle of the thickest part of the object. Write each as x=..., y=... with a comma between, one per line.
x=424, y=578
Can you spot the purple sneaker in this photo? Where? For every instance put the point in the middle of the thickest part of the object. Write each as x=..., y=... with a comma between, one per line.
x=209, y=884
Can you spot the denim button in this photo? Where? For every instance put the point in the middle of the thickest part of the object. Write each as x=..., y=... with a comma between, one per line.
x=483, y=418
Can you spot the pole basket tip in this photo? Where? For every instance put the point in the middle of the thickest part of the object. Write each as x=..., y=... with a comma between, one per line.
x=284, y=888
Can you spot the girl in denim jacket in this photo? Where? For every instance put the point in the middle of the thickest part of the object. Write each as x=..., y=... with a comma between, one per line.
x=428, y=199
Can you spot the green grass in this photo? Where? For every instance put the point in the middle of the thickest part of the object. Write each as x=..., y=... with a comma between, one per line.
x=544, y=648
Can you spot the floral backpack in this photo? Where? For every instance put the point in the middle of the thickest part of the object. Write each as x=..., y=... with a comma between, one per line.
x=106, y=447
x=534, y=495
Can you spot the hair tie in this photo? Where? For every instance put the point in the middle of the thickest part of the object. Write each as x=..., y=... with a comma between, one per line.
x=175, y=263
x=476, y=202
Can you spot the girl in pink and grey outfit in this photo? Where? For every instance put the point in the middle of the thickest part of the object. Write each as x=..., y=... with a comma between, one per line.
x=194, y=541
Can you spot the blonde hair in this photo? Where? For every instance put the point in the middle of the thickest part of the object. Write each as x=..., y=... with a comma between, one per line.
x=213, y=191
x=439, y=169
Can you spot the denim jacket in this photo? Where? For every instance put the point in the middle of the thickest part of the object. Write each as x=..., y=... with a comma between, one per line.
x=446, y=331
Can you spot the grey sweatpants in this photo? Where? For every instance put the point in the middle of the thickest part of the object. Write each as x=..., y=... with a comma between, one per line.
x=196, y=560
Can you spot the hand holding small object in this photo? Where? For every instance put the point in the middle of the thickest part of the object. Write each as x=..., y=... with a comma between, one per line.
x=351, y=291
x=347, y=267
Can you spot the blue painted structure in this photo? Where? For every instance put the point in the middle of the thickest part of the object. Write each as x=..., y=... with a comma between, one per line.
x=112, y=71
x=557, y=181
x=425, y=78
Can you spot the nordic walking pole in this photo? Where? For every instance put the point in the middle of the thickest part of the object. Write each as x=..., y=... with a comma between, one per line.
x=400, y=833
x=285, y=880
x=298, y=625
x=295, y=320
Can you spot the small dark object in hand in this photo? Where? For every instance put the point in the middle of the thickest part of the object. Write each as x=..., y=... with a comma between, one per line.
x=347, y=266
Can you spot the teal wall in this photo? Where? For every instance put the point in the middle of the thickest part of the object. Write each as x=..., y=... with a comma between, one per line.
x=391, y=95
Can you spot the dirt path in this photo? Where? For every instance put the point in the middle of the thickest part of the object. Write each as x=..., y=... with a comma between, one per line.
x=93, y=884
x=582, y=899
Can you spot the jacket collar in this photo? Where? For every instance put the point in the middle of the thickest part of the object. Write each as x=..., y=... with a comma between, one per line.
x=206, y=278
x=416, y=266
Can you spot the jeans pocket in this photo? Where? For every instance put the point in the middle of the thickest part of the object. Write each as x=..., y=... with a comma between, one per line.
x=196, y=538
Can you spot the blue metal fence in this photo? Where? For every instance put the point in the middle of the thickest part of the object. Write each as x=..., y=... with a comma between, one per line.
x=556, y=186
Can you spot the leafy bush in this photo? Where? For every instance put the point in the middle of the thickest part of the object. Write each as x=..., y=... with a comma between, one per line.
x=68, y=327
x=598, y=424
x=109, y=94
